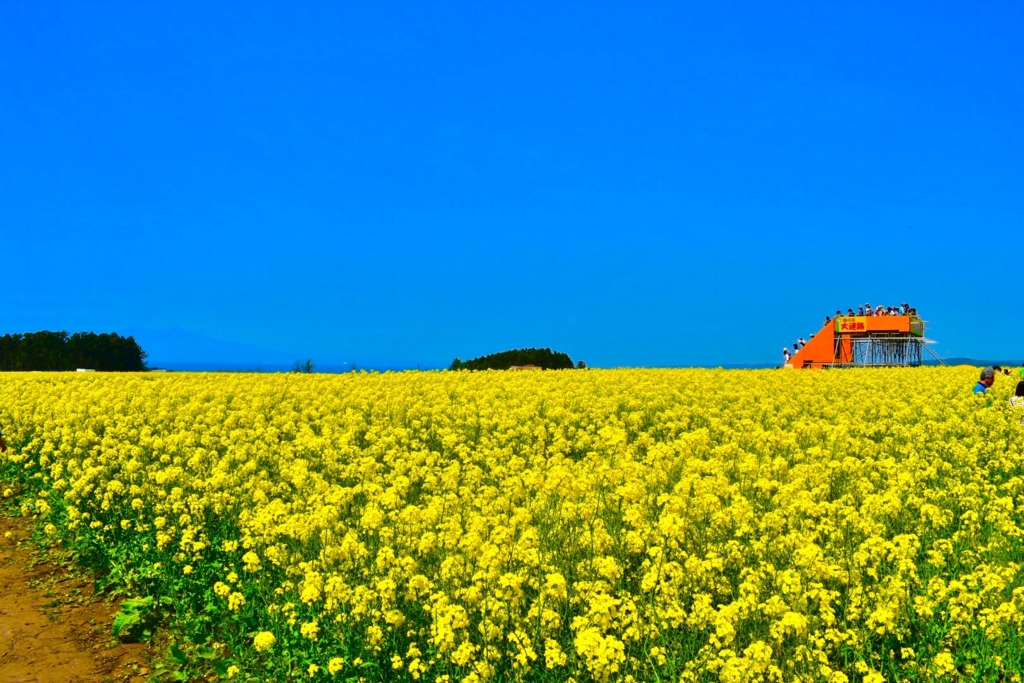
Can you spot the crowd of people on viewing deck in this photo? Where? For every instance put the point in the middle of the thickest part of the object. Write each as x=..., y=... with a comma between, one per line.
x=865, y=310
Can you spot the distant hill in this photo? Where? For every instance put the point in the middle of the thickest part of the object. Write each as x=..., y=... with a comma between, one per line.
x=542, y=358
x=177, y=347
x=979, y=363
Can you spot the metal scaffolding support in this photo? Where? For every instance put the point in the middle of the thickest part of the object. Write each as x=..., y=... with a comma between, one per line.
x=884, y=348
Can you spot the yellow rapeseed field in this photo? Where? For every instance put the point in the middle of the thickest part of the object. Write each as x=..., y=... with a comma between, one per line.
x=618, y=525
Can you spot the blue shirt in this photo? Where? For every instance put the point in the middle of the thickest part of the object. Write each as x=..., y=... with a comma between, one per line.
x=980, y=388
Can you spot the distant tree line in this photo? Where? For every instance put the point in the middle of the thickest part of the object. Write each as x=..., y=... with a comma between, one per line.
x=60, y=351
x=543, y=358
x=304, y=368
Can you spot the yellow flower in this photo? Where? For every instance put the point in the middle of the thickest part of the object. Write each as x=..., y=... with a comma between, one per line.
x=263, y=641
x=310, y=629
x=553, y=654
x=236, y=601
x=251, y=561
x=944, y=664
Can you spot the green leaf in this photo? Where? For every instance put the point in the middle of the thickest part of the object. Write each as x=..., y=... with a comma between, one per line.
x=124, y=621
x=178, y=655
x=138, y=604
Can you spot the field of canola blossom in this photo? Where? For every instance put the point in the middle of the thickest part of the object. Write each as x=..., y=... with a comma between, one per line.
x=648, y=525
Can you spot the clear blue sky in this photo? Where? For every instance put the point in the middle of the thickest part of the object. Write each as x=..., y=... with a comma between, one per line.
x=632, y=183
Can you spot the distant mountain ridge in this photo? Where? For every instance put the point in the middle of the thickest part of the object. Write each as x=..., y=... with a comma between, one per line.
x=979, y=363
x=177, y=346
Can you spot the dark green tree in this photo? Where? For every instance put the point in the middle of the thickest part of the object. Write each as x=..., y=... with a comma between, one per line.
x=542, y=358
x=57, y=351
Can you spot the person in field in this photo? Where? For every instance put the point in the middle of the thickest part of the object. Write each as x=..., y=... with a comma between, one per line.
x=3, y=444
x=1017, y=400
x=785, y=354
x=987, y=379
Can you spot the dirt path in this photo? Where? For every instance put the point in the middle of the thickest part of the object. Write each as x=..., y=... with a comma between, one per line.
x=52, y=628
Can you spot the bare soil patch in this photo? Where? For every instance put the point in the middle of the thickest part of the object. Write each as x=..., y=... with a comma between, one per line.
x=53, y=628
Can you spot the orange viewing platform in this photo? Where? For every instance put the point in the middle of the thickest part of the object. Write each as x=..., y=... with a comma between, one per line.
x=864, y=340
